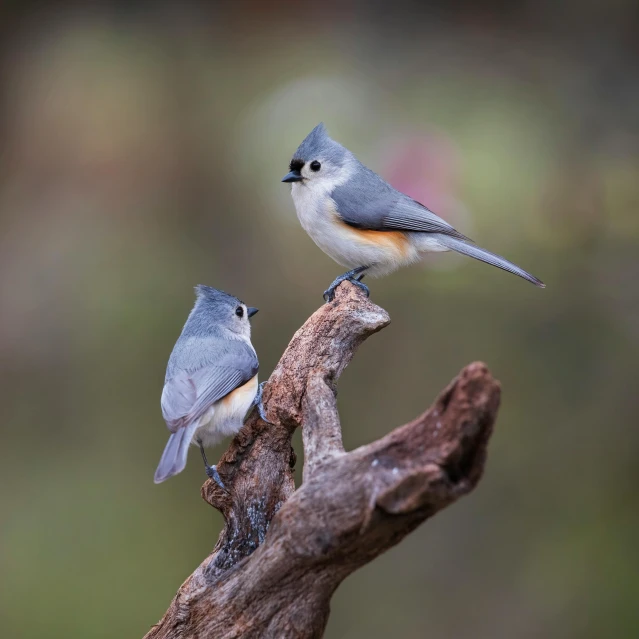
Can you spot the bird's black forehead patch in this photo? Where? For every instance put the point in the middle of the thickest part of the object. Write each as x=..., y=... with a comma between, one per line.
x=296, y=165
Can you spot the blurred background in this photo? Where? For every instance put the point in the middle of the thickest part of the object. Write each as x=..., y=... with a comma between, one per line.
x=142, y=147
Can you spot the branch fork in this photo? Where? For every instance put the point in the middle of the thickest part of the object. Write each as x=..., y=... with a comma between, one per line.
x=283, y=552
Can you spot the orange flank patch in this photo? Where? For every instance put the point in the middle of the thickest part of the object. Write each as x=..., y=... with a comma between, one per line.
x=241, y=394
x=393, y=240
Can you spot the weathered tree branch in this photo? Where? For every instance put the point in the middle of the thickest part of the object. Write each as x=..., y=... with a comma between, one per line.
x=322, y=431
x=283, y=552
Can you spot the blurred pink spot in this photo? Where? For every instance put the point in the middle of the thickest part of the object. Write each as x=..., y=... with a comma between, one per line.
x=425, y=167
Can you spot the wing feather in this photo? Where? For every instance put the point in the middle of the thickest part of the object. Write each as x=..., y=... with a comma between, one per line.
x=189, y=394
x=410, y=215
x=367, y=202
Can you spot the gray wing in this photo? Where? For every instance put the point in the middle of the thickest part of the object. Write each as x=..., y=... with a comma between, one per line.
x=367, y=202
x=189, y=394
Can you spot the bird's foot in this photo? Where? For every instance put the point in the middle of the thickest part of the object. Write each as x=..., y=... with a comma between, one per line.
x=212, y=473
x=355, y=276
x=257, y=402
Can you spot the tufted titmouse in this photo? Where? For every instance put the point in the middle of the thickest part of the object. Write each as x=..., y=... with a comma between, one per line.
x=362, y=222
x=211, y=379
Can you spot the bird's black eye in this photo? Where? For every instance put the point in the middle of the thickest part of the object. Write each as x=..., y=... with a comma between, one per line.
x=315, y=165
x=239, y=311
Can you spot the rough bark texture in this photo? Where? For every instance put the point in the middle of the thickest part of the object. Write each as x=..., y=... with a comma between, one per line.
x=283, y=552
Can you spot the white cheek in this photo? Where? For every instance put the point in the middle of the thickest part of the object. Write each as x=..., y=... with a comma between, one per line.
x=243, y=327
x=317, y=186
x=320, y=183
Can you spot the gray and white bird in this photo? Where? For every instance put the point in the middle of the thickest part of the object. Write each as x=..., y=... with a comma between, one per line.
x=211, y=379
x=365, y=224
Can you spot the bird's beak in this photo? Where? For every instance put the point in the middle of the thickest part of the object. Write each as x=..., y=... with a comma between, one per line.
x=251, y=310
x=293, y=176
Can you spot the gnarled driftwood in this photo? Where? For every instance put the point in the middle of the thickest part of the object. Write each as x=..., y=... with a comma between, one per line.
x=283, y=552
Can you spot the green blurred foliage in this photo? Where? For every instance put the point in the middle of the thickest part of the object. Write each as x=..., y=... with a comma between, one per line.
x=142, y=152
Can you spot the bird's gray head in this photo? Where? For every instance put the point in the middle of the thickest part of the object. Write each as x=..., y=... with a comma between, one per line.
x=216, y=310
x=318, y=158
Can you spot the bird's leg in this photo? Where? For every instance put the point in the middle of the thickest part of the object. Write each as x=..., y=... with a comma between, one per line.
x=353, y=276
x=258, y=402
x=211, y=471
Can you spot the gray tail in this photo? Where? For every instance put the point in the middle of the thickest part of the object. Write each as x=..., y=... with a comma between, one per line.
x=486, y=256
x=173, y=458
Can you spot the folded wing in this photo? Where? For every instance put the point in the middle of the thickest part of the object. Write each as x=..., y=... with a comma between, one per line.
x=188, y=396
x=367, y=202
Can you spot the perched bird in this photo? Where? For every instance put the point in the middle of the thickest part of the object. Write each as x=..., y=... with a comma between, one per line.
x=362, y=222
x=211, y=379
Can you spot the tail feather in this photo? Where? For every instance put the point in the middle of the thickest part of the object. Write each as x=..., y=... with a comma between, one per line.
x=486, y=256
x=173, y=458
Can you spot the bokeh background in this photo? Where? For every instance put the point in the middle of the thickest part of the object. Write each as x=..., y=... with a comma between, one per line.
x=142, y=146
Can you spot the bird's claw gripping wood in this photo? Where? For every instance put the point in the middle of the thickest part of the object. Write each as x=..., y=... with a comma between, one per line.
x=354, y=277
